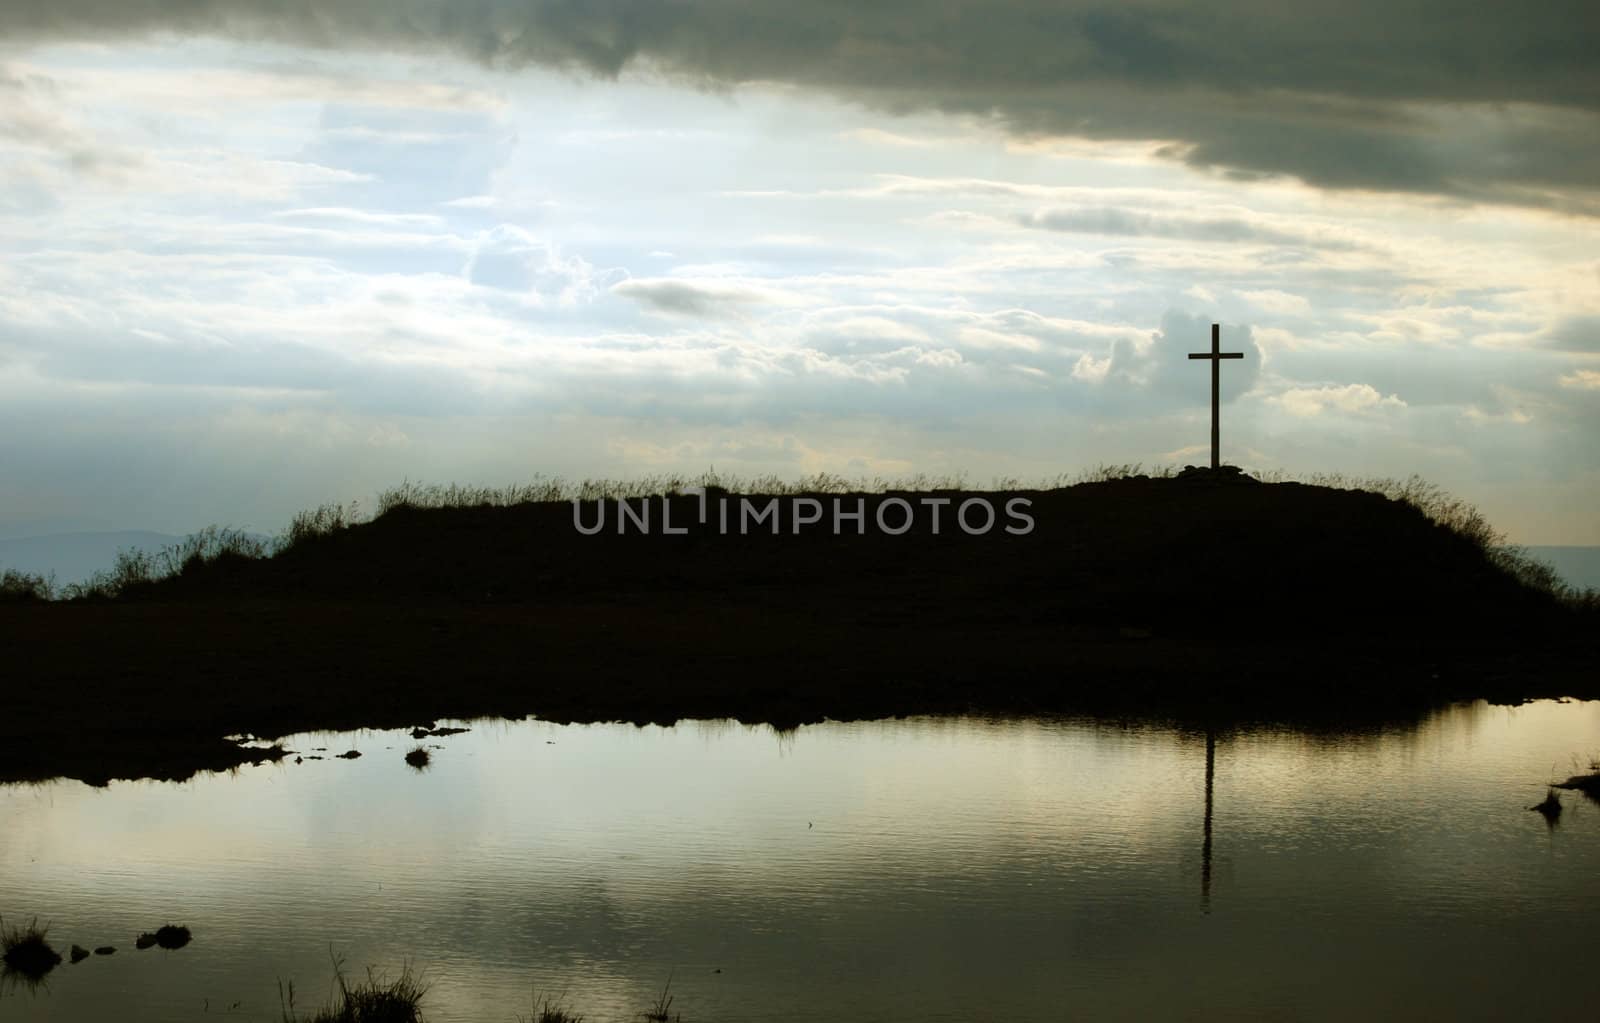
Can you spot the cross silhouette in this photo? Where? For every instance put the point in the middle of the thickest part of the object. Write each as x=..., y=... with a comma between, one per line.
x=1216, y=358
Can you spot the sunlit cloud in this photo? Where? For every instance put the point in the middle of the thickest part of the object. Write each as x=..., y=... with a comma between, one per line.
x=1349, y=398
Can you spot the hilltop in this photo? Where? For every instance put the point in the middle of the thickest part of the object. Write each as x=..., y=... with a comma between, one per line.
x=1207, y=589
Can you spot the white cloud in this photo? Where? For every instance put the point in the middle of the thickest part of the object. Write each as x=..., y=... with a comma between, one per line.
x=512, y=259
x=880, y=137
x=1091, y=369
x=1274, y=301
x=1351, y=399
x=374, y=217
x=982, y=337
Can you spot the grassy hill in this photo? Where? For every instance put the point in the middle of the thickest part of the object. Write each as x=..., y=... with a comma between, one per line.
x=1196, y=554
x=1201, y=589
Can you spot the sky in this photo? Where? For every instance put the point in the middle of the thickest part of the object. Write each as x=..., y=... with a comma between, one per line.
x=255, y=257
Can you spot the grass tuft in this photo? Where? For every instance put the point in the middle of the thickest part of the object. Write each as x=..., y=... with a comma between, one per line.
x=549, y=1010
x=136, y=571
x=307, y=527
x=377, y=1000
x=26, y=950
x=661, y=1011
x=22, y=587
x=1550, y=806
x=419, y=757
x=1587, y=783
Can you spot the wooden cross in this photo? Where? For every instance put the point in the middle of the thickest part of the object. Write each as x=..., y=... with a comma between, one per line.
x=1216, y=358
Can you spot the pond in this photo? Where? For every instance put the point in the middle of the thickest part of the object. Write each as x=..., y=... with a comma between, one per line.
x=928, y=869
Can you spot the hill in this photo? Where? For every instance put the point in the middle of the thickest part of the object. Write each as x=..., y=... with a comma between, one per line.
x=1187, y=555
x=1206, y=590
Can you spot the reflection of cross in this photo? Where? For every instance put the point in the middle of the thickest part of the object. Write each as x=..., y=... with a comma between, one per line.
x=1216, y=358
x=1205, y=848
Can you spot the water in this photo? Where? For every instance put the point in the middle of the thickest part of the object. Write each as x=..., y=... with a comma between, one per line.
x=921, y=869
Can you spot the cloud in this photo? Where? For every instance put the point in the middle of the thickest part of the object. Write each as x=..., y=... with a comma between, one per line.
x=511, y=259
x=1574, y=334
x=374, y=218
x=1351, y=399
x=708, y=298
x=33, y=117
x=46, y=136
x=1161, y=365
x=1502, y=106
x=1114, y=220
x=880, y=137
x=227, y=88
x=1274, y=301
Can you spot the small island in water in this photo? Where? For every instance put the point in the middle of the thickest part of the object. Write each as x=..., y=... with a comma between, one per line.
x=1193, y=592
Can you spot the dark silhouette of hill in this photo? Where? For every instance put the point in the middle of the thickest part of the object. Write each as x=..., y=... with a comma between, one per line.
x=1190, y=556
x=1208, y=589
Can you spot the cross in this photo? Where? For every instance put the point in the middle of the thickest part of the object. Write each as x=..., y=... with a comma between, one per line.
x=1216, y=358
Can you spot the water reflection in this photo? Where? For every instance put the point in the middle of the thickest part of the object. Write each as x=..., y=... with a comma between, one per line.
x=1205, y=846
x=939, y=869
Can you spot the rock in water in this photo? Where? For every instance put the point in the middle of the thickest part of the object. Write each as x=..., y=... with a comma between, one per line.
x=169, y=936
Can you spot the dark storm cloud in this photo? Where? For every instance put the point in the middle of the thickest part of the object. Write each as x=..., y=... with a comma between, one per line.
x=1494, y=101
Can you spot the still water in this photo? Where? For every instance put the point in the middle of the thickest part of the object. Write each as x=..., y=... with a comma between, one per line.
x=919, y=869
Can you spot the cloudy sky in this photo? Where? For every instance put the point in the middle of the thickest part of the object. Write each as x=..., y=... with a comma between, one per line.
x=259, y=256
